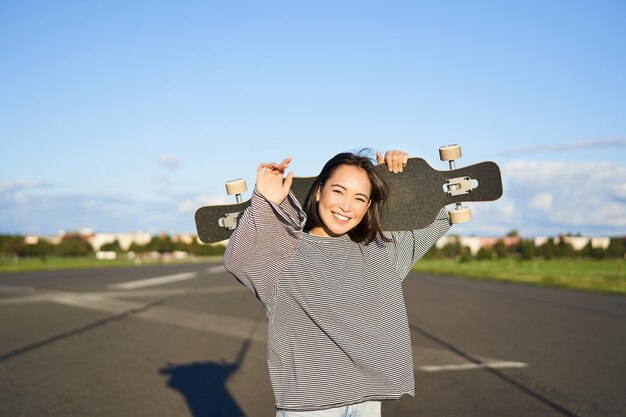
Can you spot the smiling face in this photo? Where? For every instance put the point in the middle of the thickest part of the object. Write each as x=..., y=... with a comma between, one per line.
x=343, y=201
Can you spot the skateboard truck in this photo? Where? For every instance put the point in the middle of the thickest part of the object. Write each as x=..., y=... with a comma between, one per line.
x=456, y=186
x=230, y=220
x=233, y=187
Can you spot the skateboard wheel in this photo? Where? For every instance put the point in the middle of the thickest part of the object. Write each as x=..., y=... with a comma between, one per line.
x=450, y=152
x=460, y=215
x=237, y=186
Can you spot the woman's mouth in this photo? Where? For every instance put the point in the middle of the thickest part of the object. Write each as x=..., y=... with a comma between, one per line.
x=341, y=218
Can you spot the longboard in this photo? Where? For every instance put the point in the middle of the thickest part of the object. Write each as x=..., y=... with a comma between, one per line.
x=416, y=196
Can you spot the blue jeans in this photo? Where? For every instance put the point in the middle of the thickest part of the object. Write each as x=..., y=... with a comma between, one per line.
x=366, y=409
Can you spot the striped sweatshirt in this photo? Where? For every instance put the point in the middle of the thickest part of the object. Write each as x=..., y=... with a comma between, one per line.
x=337, y=328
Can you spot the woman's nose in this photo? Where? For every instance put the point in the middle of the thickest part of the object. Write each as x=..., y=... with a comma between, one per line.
x=345, y=205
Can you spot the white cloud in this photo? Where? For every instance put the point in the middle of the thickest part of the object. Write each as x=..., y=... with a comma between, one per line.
x=566, y=196
x=508, y=209
x=540, y=198
x=190, y=205
x=170, y=161
x=587, y=144
x=494, y=218
x=619, y=190
x=20, y=185
x=47, y=213
x=19, y=191
x=542, y=201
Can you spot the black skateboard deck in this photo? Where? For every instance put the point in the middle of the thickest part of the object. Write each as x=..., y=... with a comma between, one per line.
x=416, y=197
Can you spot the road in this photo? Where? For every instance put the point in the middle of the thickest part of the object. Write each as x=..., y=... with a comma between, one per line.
x=188, y=340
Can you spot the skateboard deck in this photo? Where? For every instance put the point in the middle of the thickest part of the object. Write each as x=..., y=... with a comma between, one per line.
x=415, y=197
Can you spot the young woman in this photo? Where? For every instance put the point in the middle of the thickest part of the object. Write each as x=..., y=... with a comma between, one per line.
x=330, y=280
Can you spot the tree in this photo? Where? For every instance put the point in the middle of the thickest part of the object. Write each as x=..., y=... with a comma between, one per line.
x=137, y=248
x=484, y=254
x=452, y=249
x=563, y=249
x=182, y=246
x=527, y=250
x=500, y=249
x=616, y=248
x=161, y=244
x=73, y=246
x=547, y=249
x=465, y=255
x=598, y=253
x=585, y=252
x=42, y=249
x=112, y=247
x=434, y=253
x=13, y=246
x=201, y=249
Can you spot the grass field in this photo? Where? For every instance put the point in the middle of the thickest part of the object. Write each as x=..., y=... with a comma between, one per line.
x=52, y=263
x=588, y=274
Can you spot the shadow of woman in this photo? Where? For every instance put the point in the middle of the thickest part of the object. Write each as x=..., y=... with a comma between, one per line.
x=203, y=384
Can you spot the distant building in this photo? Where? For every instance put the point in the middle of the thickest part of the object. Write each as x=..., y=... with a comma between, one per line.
x=475, y=243
x=600, y=242
x=185, y=238
x=189, y=238
x=576, y=242
x=125, y=239
x=34, y=239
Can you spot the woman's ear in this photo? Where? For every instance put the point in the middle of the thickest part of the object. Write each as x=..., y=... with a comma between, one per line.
x=318, y=193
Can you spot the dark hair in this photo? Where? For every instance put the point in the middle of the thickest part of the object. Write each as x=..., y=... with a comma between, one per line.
x=371, y=224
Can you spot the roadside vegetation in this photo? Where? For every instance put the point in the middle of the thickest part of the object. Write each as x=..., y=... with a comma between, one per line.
x=554, y=263
x=74, y=251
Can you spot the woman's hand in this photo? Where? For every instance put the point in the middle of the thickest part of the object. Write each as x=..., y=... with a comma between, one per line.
x=396, y=160
x=269, y=181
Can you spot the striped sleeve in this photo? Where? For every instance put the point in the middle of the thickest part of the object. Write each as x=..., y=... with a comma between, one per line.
x=407, y=247
x=259, y=247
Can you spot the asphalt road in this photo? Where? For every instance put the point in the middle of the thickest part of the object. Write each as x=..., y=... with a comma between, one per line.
x=116, y=342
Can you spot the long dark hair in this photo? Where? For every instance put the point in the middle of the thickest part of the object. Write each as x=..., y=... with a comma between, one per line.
x=371, y=224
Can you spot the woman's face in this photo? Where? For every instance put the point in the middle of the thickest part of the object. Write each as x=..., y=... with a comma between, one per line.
x=343, y=201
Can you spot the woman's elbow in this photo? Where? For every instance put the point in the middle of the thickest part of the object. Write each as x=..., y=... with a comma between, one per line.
x=229, y=261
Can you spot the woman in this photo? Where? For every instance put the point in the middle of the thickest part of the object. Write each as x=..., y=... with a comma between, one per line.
x=330, y=281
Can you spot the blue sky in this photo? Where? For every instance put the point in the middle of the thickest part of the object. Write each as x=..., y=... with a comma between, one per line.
x=124, y=116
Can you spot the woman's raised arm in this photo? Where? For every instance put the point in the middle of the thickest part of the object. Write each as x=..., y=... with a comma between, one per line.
x=271, y=183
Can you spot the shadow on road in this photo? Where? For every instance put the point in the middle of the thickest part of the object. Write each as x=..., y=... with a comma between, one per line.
x=203, y=384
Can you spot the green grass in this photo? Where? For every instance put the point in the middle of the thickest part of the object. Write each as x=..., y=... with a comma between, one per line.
x=598, y=275
x=586, y=274
x=54, y=263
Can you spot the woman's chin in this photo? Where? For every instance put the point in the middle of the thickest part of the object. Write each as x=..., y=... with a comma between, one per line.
x=337, y=230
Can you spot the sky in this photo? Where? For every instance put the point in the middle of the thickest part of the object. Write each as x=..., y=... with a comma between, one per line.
x=127, y=116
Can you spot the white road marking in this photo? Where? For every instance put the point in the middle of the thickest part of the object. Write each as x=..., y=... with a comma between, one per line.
x=466, y=366
x=172, y=291
x=220, y=324
x=213, y=323
x=50, y=296
x=109, y=302
x=15, y=289
x=130, y=285
x=39, y=297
